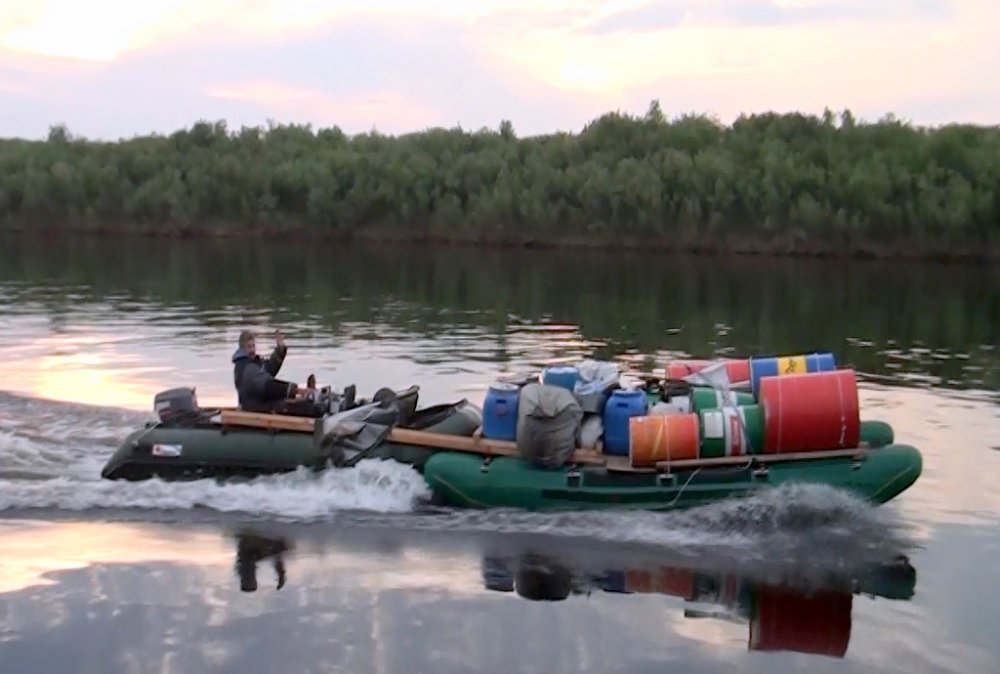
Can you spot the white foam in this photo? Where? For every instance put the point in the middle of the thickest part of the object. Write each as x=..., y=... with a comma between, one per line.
x=797, y=521
x=380, y=486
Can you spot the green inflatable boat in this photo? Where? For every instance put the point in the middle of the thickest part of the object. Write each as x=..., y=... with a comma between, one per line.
x=192, y=443
x=876, y=474
x=465, y=470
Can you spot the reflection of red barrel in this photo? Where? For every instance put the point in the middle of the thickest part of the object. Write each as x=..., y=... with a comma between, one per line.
x=787, y=621
x=638, y=580
x=738, y=369
x=810, y=412
x=674, y=582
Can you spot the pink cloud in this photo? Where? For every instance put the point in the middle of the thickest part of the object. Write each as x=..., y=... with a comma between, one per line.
x=13, y=87
x=402, y=69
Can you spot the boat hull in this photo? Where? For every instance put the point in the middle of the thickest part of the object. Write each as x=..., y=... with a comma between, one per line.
x=468, y=482
x=471, y=481
x=193, y=453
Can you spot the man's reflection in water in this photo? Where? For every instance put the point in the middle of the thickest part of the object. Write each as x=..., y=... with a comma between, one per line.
x=540, y=578
x=252, y=548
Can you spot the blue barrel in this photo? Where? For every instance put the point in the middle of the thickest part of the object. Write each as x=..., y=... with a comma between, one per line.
x=621, y=406
x=776, y=366
x=564, y=376
x=500, y=412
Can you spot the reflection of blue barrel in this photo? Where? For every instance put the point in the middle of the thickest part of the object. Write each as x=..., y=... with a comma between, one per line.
x=496, y=577
x=500, y=412
x=776, y=366
x=614, y=581
x=565, y=377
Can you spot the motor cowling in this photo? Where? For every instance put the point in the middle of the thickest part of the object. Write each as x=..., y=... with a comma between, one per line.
x=175, y=402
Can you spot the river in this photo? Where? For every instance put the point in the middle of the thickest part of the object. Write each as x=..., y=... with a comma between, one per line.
x=98, y=576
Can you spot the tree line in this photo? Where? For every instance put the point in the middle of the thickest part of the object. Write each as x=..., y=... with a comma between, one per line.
x=768, y=182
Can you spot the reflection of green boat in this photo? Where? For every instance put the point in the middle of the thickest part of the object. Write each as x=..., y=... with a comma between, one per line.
x=806, y=617
x=466, y=470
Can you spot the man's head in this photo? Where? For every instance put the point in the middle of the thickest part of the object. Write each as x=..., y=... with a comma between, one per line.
x=248, y=343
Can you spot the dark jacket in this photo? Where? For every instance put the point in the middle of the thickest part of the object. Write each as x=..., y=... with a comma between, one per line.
x=256, y=386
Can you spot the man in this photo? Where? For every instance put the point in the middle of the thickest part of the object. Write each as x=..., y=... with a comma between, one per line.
x=254, y=377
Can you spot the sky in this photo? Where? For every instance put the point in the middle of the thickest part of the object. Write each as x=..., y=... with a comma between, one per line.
x=111, y=69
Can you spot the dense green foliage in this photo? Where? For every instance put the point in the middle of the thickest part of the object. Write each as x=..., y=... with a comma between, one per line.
x=765, y=181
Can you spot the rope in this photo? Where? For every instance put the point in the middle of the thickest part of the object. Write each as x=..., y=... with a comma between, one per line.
x=684, y=486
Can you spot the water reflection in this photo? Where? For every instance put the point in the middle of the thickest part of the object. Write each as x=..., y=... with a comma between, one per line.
x=430, y=309
x=252, y=548
x=812, y=618
x=392, y=600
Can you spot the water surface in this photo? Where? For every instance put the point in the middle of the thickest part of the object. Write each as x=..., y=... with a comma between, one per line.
x=104, y=577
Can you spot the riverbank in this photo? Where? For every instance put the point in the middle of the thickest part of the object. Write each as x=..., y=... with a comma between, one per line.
x=722, y=246
x=766, y=184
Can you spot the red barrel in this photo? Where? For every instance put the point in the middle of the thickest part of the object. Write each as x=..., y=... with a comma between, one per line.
x=818, y=623
x=810, y=412
x=738, y=369
x=678, y=369
x=662, y=437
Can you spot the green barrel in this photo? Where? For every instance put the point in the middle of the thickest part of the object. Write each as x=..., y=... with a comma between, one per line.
x=710, y=399
x=731, y=431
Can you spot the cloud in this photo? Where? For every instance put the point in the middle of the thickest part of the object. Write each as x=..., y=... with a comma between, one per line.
x=707, y=63
x=663, y=14
x=394, y=75
x=105, y=29
x=402, y=66
x=787, y=12
x=12, y=87
x=654, y=16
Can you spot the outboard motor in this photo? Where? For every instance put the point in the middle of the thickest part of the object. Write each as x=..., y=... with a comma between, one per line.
x=175, y=403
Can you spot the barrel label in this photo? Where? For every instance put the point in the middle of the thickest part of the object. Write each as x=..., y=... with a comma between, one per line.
x=792, y=365
x=735, y=436
x=714, y=427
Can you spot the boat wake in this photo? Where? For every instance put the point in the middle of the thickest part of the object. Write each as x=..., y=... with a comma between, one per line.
x=49, y=465
x=51, y=456
x=806, y=526
x=383, y=487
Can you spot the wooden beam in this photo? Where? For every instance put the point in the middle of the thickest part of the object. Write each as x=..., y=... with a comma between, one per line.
x=764, y=458
x=477, y=445
x=266, y=420
x=621, y=464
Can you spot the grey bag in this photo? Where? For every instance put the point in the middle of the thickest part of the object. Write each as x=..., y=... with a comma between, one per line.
x=548, y=423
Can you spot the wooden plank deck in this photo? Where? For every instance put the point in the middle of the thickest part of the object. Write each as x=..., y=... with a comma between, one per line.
x=476, y=444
